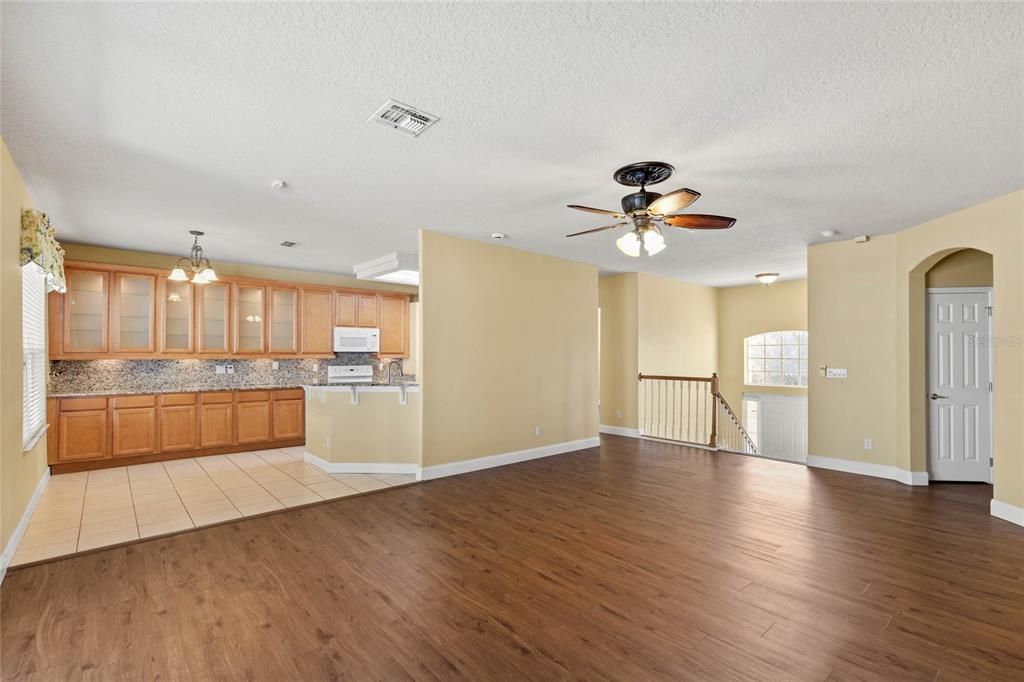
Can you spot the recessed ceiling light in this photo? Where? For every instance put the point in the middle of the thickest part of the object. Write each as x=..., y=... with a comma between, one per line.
x=278, y=184
x=828, y=233
x=498, y=236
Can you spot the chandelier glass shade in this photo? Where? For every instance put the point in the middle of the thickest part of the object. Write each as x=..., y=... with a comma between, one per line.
x=196, y=263
x=644, y=239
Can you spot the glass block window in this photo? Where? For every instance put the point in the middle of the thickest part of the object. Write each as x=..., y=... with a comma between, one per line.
x=776, y=359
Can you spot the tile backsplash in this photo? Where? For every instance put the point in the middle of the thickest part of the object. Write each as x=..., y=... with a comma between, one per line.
x=83, y=376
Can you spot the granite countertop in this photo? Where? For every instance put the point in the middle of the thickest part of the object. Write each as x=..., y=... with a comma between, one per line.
x=175, y=389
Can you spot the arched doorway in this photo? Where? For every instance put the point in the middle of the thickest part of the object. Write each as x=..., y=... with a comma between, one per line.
x=951, y=365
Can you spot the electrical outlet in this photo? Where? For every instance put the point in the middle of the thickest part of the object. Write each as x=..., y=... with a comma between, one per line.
x=316, y=366
x=835, y=373
x=231, y=369
x=219, y=369
x=275, y=365
x=868, y=444
x=536, y=430
x=618, y=414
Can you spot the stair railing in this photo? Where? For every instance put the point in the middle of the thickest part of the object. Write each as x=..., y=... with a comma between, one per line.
x=690, y=410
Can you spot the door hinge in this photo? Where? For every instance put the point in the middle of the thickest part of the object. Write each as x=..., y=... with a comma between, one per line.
x=990, y=461
x=990, y=387
x=988, y=309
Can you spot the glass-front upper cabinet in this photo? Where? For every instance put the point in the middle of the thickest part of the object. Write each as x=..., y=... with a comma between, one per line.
x=212, y=314
x=250, y=319
x=134, y=307
x=284, y=320
x=176, y=308
x=85, y=311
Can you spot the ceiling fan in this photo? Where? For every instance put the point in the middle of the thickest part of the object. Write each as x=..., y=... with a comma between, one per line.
x=645, y=210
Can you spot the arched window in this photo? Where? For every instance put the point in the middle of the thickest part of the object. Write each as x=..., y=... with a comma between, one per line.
x=776, y=359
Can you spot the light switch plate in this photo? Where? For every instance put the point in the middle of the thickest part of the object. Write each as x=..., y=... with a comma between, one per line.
x=231, y=369
x=868, y=444
x=835, y=373
x=275, y=365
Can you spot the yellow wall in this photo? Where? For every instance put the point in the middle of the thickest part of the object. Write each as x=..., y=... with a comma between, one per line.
x=866, y=313
x=750, y=310
x=617, y=297
x=967, y=268
x=19, y=471
x=677, y=323
x=378, y=429
x=509, y=343
x=100, y=254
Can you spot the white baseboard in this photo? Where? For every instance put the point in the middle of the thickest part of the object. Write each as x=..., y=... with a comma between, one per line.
x=19, y=532
x=620, y=431
x=468, y=465
x=361, y=467
x=852, y=466
x=1007, y=512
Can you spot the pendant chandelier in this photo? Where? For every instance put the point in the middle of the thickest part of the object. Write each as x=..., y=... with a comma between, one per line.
x=196, y=263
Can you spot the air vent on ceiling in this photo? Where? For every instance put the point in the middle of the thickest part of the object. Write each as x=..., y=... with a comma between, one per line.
x=289, y=245
x=404, y=118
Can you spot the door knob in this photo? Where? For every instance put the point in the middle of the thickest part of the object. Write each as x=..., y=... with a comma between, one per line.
x=936, y=396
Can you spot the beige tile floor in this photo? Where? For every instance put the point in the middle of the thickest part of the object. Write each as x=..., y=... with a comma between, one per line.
x=98, y=508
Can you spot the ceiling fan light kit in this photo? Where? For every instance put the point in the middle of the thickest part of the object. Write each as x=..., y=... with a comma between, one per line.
x=644, y=210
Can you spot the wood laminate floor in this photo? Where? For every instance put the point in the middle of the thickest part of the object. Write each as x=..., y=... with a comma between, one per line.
x=635, y=561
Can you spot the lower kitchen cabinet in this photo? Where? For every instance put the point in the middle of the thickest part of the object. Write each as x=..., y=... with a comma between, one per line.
x=179, y=422
x=289, y=416
x=216, y=420
x=133, y=426
x=83, y=435
x=97, y=432
x=254, y=417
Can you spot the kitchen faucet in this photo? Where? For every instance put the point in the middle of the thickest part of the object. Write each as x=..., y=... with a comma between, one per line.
x=391, y=366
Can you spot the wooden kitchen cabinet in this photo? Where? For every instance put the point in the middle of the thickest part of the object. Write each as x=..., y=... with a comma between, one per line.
x=317, y=325
x=213, y=314
x=86, y=310
x=133, y=426
x=367, y=312
x=175, y=316
x=127, y=312
x=179, y=422
x=97, y=432
x=284, y=319
x=254, y=417
x=249, y=319
x=289, y=414
x=216, y=419
x=82, y=428
x=133, y=313
x=394, y=325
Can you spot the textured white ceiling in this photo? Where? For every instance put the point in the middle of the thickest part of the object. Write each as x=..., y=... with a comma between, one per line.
x=135, y=122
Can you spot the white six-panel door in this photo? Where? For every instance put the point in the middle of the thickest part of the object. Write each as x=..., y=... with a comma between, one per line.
x=959, y=397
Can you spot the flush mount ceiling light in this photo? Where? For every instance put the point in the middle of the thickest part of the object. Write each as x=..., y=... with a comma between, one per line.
x=196, y=263
x=766, y=278
x=498, y=236
x=828, y=233
x=398, y=268
x=278, y=184
x=644, y=210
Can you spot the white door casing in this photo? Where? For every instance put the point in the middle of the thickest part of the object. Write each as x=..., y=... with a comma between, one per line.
x=959, y=385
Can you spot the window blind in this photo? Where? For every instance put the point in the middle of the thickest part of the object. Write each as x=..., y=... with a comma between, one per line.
x=33, y=341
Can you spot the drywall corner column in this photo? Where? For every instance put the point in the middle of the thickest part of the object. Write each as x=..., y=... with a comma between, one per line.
x=617, y=295
x=509, y=345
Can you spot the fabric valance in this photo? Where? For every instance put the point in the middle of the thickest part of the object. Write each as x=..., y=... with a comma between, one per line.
x=39, y=245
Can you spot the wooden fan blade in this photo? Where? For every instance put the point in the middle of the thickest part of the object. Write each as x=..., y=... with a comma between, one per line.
x=602, y=211
x=597, y=229
x=673, y=201
x=699, y=221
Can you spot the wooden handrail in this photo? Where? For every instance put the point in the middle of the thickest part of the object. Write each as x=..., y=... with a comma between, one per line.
x=666, y=377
